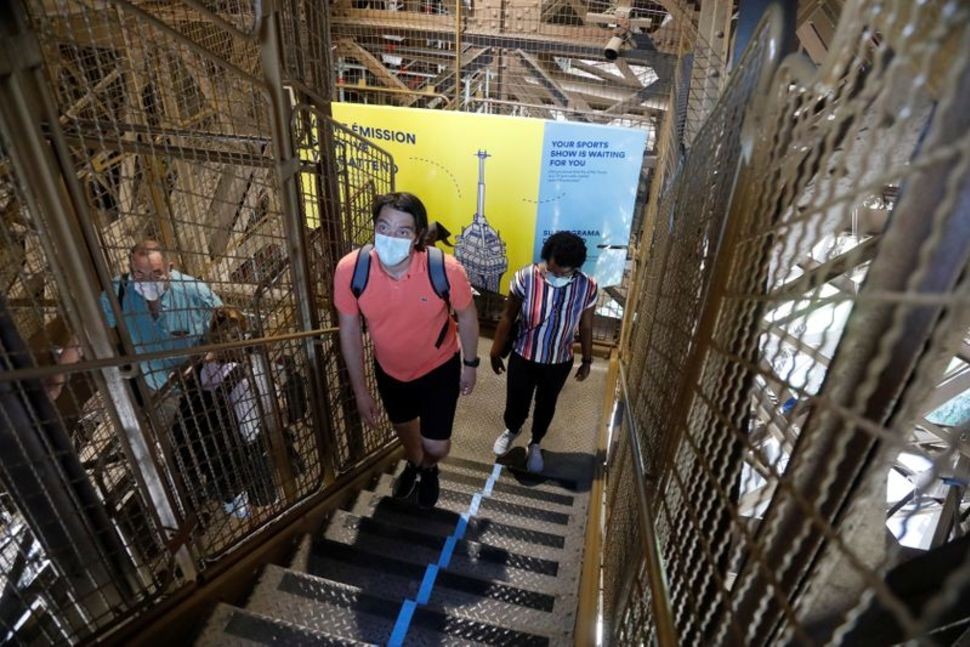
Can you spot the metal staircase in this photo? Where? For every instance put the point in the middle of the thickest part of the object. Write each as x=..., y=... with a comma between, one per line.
x=497, y=562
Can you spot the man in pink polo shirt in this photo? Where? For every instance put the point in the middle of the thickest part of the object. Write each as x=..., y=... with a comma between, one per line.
x=420, y=371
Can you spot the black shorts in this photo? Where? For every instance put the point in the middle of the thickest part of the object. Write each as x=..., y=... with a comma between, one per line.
x=433, y=398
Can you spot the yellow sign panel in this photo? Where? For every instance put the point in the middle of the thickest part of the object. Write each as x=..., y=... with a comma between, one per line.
x=503, y=185
x=453, y=161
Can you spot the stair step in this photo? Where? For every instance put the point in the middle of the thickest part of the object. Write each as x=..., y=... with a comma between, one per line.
x=315, y=602
x=516, y=493
x=442, y=522
x=230, y=626
x=516, y=474
x=549, y=521
x=351, y=555
x=449, y=592
x=469, y=557
x=318, y=604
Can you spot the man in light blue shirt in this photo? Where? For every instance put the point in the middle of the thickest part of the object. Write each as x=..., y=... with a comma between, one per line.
x=163, y=310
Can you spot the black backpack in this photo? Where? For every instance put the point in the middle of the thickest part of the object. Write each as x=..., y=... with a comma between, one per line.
x=436, y=274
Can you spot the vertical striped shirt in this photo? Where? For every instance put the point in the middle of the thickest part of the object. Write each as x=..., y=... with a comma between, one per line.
x=549, y=317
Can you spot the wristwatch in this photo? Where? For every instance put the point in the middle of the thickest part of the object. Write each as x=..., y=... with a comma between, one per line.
x=472, y=363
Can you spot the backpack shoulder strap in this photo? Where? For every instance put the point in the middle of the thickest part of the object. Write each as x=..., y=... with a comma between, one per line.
x=122, y=286
x=441, y=286
x=361, y=271
x=437, y=274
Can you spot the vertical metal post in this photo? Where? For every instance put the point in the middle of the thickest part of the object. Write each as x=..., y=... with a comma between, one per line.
x=458, y=54
x=287, y=167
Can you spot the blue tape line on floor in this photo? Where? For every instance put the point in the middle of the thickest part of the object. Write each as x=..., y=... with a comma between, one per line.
x=424, y=593
x=461, y=527
x=446, y=552
x=496, y=471
x=403, y=623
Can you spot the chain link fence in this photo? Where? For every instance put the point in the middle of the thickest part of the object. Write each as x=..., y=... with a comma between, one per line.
x=796, y=364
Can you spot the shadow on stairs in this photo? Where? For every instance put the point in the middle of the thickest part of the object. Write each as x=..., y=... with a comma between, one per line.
x=496, y=562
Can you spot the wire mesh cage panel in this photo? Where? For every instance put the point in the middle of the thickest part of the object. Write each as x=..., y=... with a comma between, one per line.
x=623, y=547
x=80, y=542
x=803, y=422
x=360, y=173
x=549, y=60
x=680, y=263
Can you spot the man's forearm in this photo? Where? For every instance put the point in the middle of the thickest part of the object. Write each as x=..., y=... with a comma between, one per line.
x=352, y=347
x=468, y=331
x=502, y=332
x=586, y=333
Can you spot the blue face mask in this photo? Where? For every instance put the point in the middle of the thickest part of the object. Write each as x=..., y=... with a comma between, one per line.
x=391, y=250
x=559, y=281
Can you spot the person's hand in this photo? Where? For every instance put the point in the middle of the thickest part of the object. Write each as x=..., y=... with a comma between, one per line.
x=497, y=364
x=583, y=372
x=367, y=407
x=53, y=386
x=469, y=375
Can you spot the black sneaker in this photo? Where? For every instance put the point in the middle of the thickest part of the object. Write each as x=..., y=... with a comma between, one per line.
x=404, y=485
x=429, y=488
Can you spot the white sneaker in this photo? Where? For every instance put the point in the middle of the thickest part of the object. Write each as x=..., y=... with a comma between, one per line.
x=504, y=442
x=238, y=507
x=534, y=464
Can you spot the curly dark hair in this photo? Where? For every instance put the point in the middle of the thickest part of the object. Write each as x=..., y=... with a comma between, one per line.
x=408, y=203
x=566, y=248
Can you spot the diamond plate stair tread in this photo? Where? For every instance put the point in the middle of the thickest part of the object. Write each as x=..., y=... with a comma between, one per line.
x=513, y=472
x=547, y=521
x=466, y=481
x=229, y=626
x=471, y=558
x=442, y=522
x=494, y=603
x=313, y=601
x=459, y=582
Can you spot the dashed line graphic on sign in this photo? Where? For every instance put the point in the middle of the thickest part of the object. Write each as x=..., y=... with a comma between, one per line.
x=454, y=180
x=555, y=198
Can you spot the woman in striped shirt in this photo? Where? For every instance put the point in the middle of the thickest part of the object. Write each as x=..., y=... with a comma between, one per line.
x=551, y=301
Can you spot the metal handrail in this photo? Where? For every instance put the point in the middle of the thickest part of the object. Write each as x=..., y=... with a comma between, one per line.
x=659, y=590
x=38, y=372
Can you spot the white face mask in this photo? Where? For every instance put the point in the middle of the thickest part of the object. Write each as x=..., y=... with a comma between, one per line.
x=559, y=281
x=151, y=290
x=391, y=250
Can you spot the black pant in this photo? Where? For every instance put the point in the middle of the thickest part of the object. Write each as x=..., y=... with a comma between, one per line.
x=526, y=379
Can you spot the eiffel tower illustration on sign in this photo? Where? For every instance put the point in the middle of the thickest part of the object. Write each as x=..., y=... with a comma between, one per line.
x=479, y=247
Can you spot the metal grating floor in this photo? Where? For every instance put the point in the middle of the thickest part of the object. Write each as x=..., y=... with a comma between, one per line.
x=497, y=562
